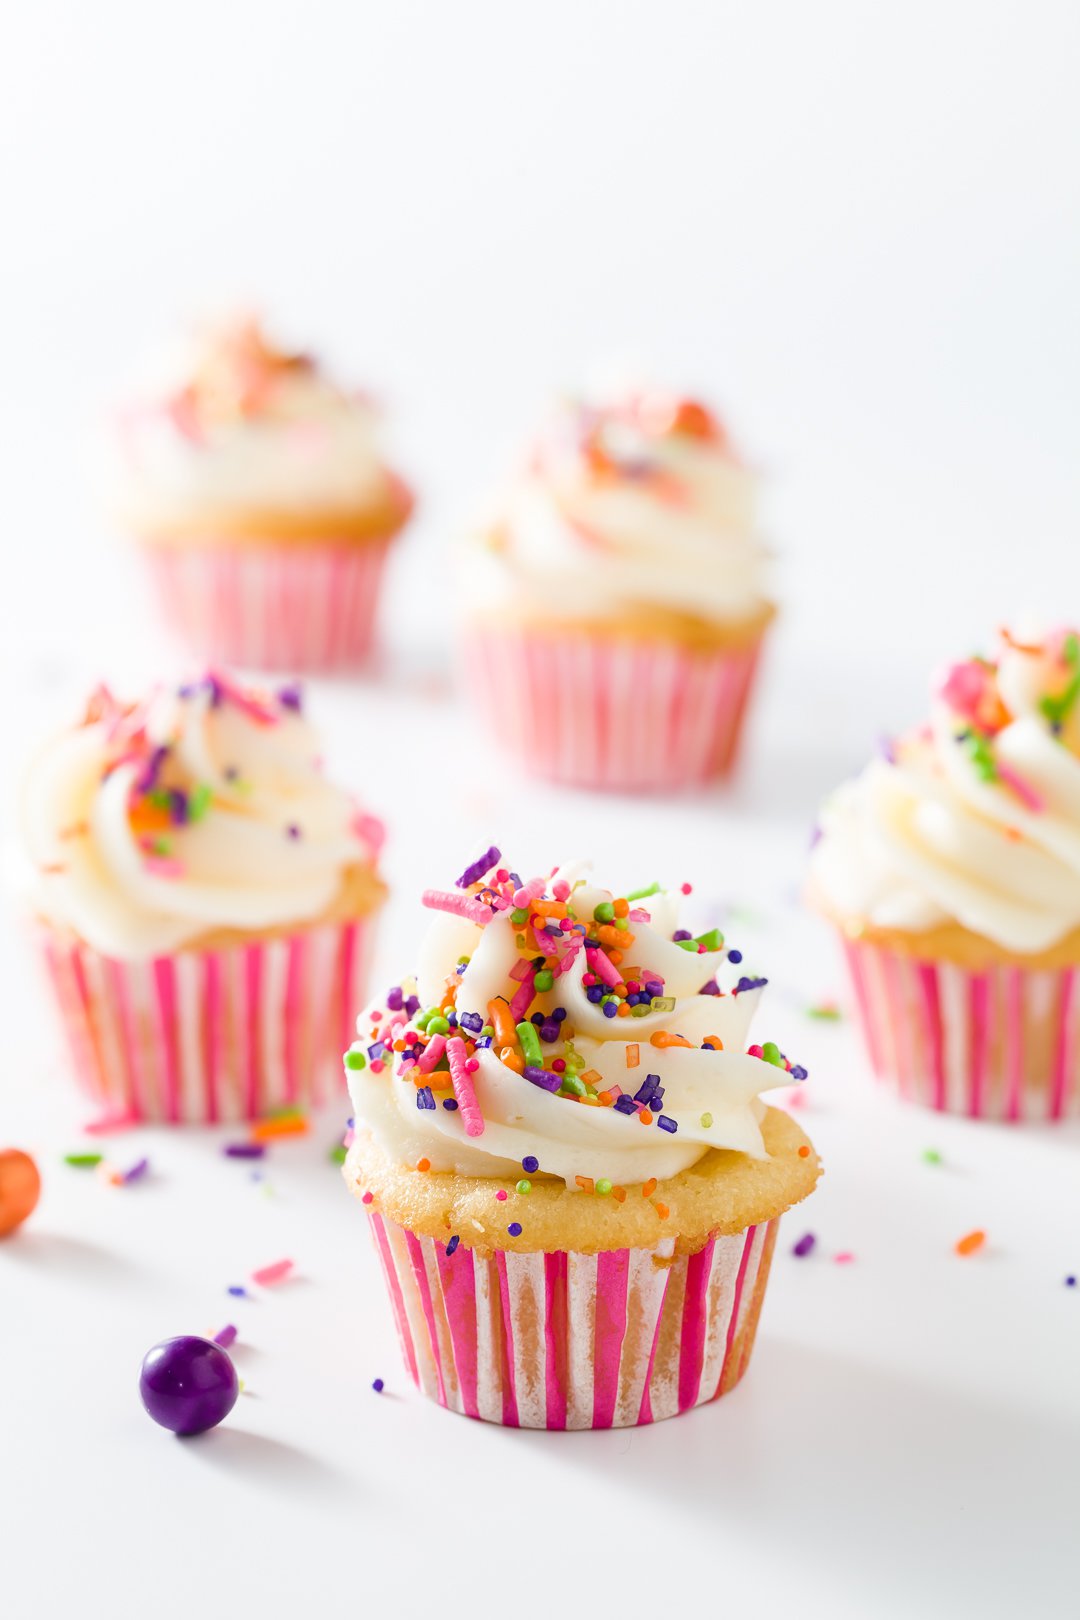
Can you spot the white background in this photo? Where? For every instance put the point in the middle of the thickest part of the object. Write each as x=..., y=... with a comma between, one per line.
x=854, y=227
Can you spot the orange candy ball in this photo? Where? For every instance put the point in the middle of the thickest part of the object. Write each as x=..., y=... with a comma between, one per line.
x=20, y=1189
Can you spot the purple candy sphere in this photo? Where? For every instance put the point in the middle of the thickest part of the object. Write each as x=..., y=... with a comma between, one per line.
x=187, y=1384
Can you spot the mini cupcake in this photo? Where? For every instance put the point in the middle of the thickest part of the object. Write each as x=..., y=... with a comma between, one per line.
x=616, y=606
x=255, y=488
x=951, y=868
x=571, y=1181
x=204, y=901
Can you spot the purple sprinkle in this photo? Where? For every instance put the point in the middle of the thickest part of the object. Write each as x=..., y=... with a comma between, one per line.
x=625, y=1105
x=558, y=1013
x=244, y=1150
x=216, y=690
x=472, y=1022
x=412, y=1006
x=610, y=1009
x=395, y=1000
x=750, y=984
x=452, y=1245
x=238, y=1291
x=377, y=1385
x=1070, y=1282
x=710, y=989
x=231, y=773
x=226, y=1337
x=178, y=806
x=137, y=1171
x=424, y=1099
x=514, y=1229
x=473, y=873
x=151, y=770
x=530, y=1164
x=290, y=697
x=292, y=830
x=376, y=1050
x=681, y=933
x=543, y=1078
x=798, y=1072
x=450, y=1104
x=666, y=1123
x=734, y=956
x=886, y=749
x=644, y=1093
x=804, y=1245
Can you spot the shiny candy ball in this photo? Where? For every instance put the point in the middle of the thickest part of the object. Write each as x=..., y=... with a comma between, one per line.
x=188, y=1385
x=20, y=1188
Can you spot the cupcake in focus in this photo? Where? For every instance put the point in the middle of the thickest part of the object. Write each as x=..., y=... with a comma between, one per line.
x=258, y=495
x=616, y=604
x=951, y=868
x=572, y=1183
x=204, y=900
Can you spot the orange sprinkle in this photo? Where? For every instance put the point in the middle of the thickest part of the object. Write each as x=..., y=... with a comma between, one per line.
x=615, y=958
x=623, y=1010
x=804, y=1152
x=548, y=908
x=606, y=1098
x=714, y=1041
x=614, y=937
x=661, y=1038
x=265, y=1130
x=423, y=1164
x=591, y=1077
x=512, y=1059
x=502, y=1022
x=621, y=908
x=970, y=1242
x=649, y=1188
x=585, y=1183
x=662, y=1210
x=633, y=1055
x=645, y=1117
x=619, y=1194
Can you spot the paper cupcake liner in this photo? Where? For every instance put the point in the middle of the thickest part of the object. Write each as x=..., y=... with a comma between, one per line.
x=595, y=711
x=205, y=1036
x=997, y=1044
x=302, y=606
x=575, y=1341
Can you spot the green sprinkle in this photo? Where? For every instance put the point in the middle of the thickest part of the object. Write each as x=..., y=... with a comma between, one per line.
x=661, y=1004
x=438, y=1025
x=604, y=912
x=519, y=917
x=159, y=798
x=826, y=1011
x=622, y=924
x=712, y=941
x=643, y=894
x=524, y=1187
x=337, y=1154
x=355, y=1059
x=82, y=1161
x=603, y=1186
x=931, y=1156
x=573, y=1085
x=686, y=945
x=544, y=979
x=1071, y=649
x=199, y=802
x=639, y=1010
x=161, y=846
x=1056, y=709
x=530, y=1045
x=463, y=961
x=771, y=1053
x=487, y=1030
x=706, y=1122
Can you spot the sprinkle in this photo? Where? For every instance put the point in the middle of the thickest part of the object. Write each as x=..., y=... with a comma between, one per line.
x=804, y=1152
x=844, y=1258
x=137, y=1171
x=706, y=1122
x=226, y=1337
x=649, y=1187
x=523, y=1187
x=355, y=1059
x=501, y=1195
x=458, y=905
x=931, y=1156
x=666, y=1123
x=804, y=1245
x=970, y=1242
x=238, y=1292
x=267, y=1275
x=464, y=1091
x=431, y=1054
x=1070, y=1281
x=585, y=1183
x=633, y=1054
x=423, y=1164
x=825, y=1010
x=530, y=1045
x=424, y=1099
x=530, y=1164
x=452, y=1245
x=603, y=1187
x=82, y=1161
x=478, y=869
x=366, y=1198
x=377, y=1385
x=265, y=1130
x=244, y=1150
x=338, y=1154
x=643, y=894
x=662, y=1210
x=523, y=995
x=514, y=1229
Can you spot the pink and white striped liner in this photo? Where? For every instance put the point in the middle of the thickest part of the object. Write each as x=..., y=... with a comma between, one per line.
x=1002, y=1044
x=593, y=711
x=305, y=606
x=205, y=1036
x=575, y=1341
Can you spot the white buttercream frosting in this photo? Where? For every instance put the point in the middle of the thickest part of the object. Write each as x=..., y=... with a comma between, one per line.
x=232, y=424
x=203, y=808
x=626, y=505
x=710, y=1092
x=975, y=818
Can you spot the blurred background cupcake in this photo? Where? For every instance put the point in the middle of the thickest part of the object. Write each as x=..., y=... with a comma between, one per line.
x=951, y=867
x=258, y=495
x=616, y=602
x=203, y=898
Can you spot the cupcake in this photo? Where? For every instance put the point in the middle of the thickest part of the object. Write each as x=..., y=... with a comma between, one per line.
x=951, y=868
x=203, y=899
x=616, y=603
x=255, y=488
x=572, y=1184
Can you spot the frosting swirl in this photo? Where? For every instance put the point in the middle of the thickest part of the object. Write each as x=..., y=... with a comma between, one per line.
x=556, y=1026
x=237, y=427
x=635, y=505
x=975, y=818
x=203, y=808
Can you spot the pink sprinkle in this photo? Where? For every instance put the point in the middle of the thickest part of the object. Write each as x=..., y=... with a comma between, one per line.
x=226, y=1337
x=266, y=1275
x=431, y=1054
x=367, y=1198
x=501, y=1196
x=471, y=1117
x=751, y=1051
x=521, y=969
x=637, y=915
x=602, y=966
x=523, y=996
x=844, y=1258
x=348, y=1139
x=561, y=890
x=558, y=1065
x=686, y=888
x=109, y=1123
x=377, y=1065
x=458, y=905
x=472, y=1064
x=1023, y=790
x=165, y=866
x=528, y=891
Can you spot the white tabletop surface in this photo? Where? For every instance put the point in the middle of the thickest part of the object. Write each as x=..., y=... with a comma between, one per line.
x=904, y=1442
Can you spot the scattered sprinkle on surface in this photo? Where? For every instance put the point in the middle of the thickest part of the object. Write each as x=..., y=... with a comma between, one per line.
x=971, y=1242
x=804, y=1246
